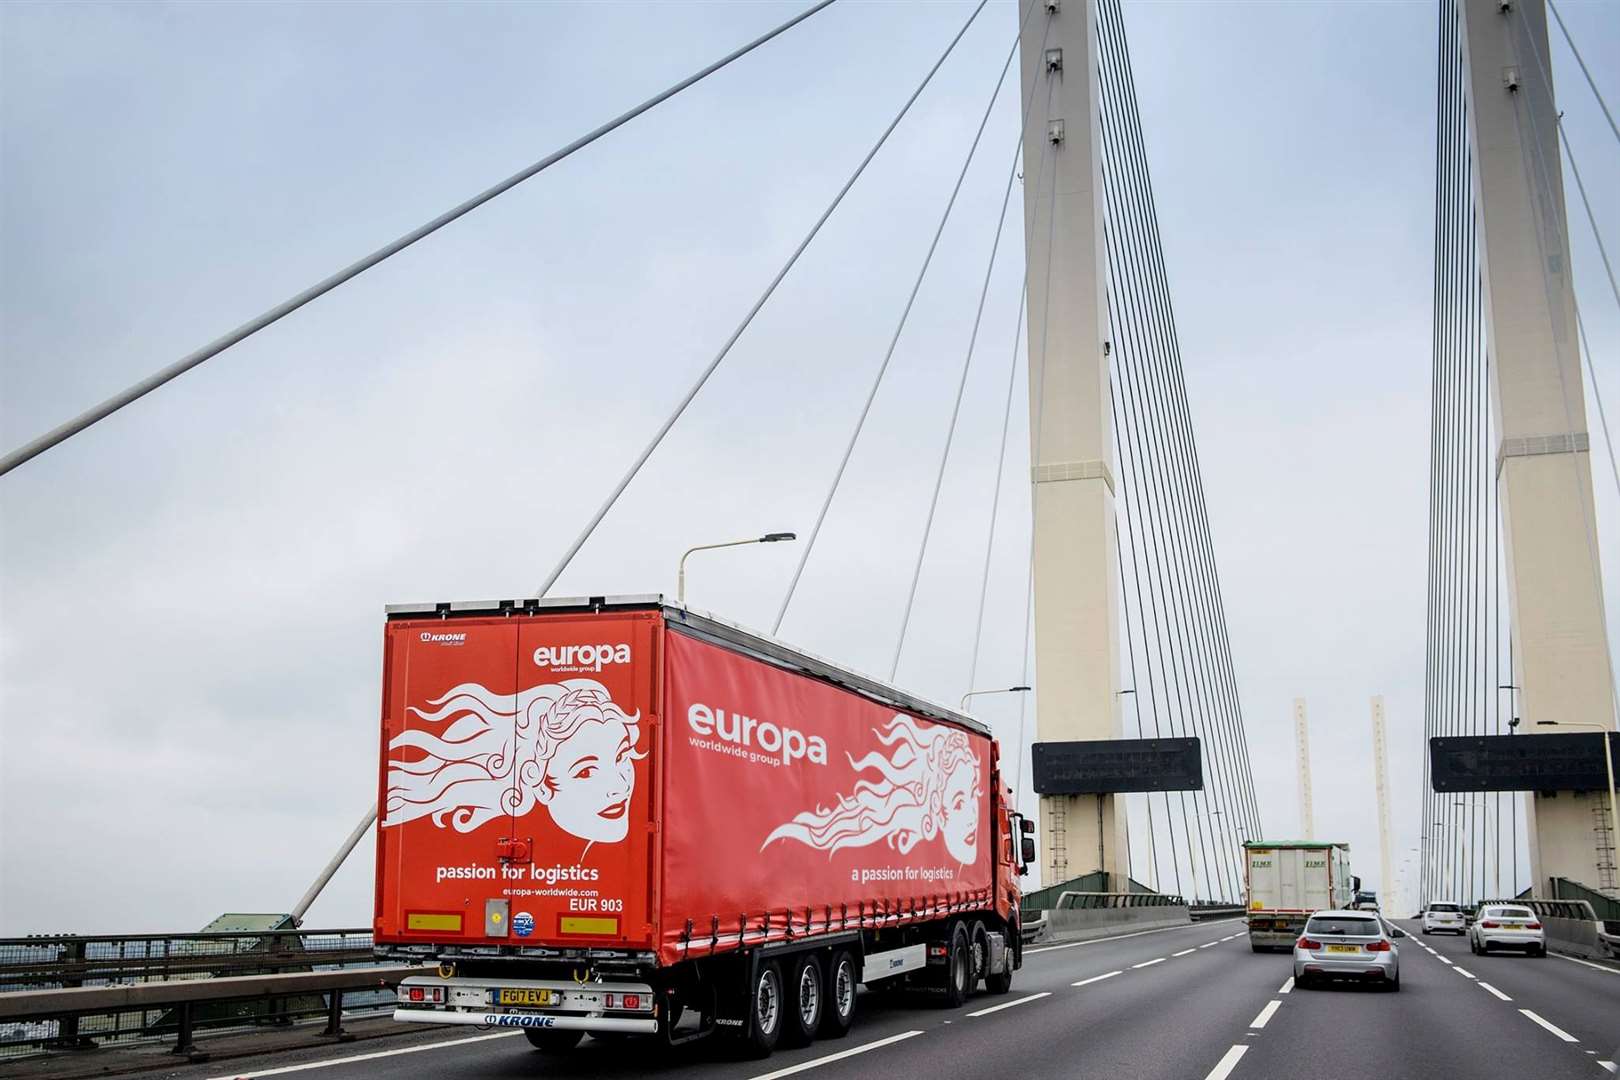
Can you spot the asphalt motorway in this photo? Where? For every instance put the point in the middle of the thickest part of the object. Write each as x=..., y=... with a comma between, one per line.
x=1182, y=1004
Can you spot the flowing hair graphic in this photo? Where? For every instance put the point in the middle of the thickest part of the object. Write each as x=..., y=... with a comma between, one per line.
x=495, y=752
x=927, y=785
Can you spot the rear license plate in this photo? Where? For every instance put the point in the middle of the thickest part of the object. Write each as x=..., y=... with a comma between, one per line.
x=523, y=997
x=1513, y=926
x=1344, y=948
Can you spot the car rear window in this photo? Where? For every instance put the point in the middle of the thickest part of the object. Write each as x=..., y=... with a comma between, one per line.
x=1444, y=907
x=1336, y=926
x=1509, y=913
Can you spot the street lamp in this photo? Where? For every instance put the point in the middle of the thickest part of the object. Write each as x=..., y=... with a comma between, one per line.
x=1005, y=690
x=1608, y=763
x=680, y=577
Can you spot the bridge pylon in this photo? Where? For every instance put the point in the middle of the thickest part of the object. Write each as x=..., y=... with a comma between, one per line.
x=1076, y=580
x=1543, y=464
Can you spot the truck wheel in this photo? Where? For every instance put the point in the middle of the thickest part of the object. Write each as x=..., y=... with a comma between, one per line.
x=958, y=968
x=551, y=1040
x=839, y=986
x=979, y=949
x=806, y=1000
x=995, y=983
x=766, y=1005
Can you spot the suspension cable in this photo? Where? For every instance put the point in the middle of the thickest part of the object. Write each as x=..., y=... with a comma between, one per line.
x=680, y=408
x=72, y=427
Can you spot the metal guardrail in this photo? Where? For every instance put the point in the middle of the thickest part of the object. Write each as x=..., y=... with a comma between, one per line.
x=1200, y=912
x=1077, y=900
x=74, y=991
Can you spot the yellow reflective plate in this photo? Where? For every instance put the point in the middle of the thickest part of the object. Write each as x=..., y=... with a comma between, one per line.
x=1344, y=948
x=1513, y=926
x=524, y=997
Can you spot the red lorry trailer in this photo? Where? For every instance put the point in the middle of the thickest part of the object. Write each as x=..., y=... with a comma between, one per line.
x=620, y=817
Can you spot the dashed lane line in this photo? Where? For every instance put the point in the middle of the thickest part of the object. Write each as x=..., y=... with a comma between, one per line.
x=1184, y=952
x=1211, y=944
x=1494, y=992
x=1554, y=1028
x=1223, y=1068
x=1117, y=937
x=1610, y=1066
x=1464, y=973
x=1149, y=963
x=1264, y=1016
x=329, y=1062
x=1003, y=1005
x=840, y=1056
x=1097, y=978
x=1286, y=987
x=1443, y=960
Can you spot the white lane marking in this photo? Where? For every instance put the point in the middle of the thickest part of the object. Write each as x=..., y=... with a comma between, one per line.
x=1209, y=944
x=1588, y=963
x=328, y=1062
x=841, y=1055
x=1097, y=978
x=1184, y=952
x=1610, y=1066
x=1555, y=1029
x=1287, y=986
x=1010, y=1004
x=1443, y=960
x=1493, y=991
x=1119, y=937
x=1460, y=971
x=1149, y=963
x=1264, y=1016
x=1223, y=1068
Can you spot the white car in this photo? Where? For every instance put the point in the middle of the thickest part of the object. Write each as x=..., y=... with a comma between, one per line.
x=1507, y=926
x=1444, y=916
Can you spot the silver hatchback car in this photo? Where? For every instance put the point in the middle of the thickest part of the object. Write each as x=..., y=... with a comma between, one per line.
x=1346, y=945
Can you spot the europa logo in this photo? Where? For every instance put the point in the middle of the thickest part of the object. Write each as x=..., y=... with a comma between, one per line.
x=580, y=657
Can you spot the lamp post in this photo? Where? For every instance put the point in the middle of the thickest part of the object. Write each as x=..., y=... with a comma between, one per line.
x=680, y=576
x=1608, y=767
x=1004, y=690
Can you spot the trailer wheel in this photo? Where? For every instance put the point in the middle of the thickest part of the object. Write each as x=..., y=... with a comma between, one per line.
x=806, y=1001
x=1000, y=983
x=958, y=968
x=551, y=1040
x=839, y=986
x=766, y=1005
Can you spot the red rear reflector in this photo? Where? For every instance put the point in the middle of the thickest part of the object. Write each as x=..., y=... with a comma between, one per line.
x=609, y=1001
x=936, y=950
x=1307, y=943
x=416, y=993
x=632, y=1001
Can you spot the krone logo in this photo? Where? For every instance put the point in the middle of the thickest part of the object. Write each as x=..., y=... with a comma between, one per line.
x=580, y=657
x=444, y=639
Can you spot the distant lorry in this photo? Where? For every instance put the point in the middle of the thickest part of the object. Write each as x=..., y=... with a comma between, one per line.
x=617, y=817
x=1287, y=880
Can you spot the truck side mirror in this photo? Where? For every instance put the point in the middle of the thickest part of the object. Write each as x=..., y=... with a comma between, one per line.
x=1026, y=826
x=1026, y=849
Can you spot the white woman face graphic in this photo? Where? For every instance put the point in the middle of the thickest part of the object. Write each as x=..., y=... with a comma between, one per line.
x=961, y=827
x=589, y=780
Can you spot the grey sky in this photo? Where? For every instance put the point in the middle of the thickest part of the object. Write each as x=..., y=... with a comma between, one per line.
x=191, y=593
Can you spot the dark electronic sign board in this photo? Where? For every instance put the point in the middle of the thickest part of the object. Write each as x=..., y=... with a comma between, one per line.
x=1109, y=766
x=1561, y=762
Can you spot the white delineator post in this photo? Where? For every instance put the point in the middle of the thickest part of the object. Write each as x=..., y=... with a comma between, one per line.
x=1543, y=465
x=1071, y=439
x=1381, y=784
x=1302, y=765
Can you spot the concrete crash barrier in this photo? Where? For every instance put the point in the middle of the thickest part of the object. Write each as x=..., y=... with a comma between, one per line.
x=1574, y=929
x=1079, y=916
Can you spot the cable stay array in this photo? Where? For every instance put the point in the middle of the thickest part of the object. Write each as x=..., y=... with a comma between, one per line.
x=1471, y=841
x=1178, y=650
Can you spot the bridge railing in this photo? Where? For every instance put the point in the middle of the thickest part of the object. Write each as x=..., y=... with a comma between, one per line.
x=69, y=991
x=1078, y=900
